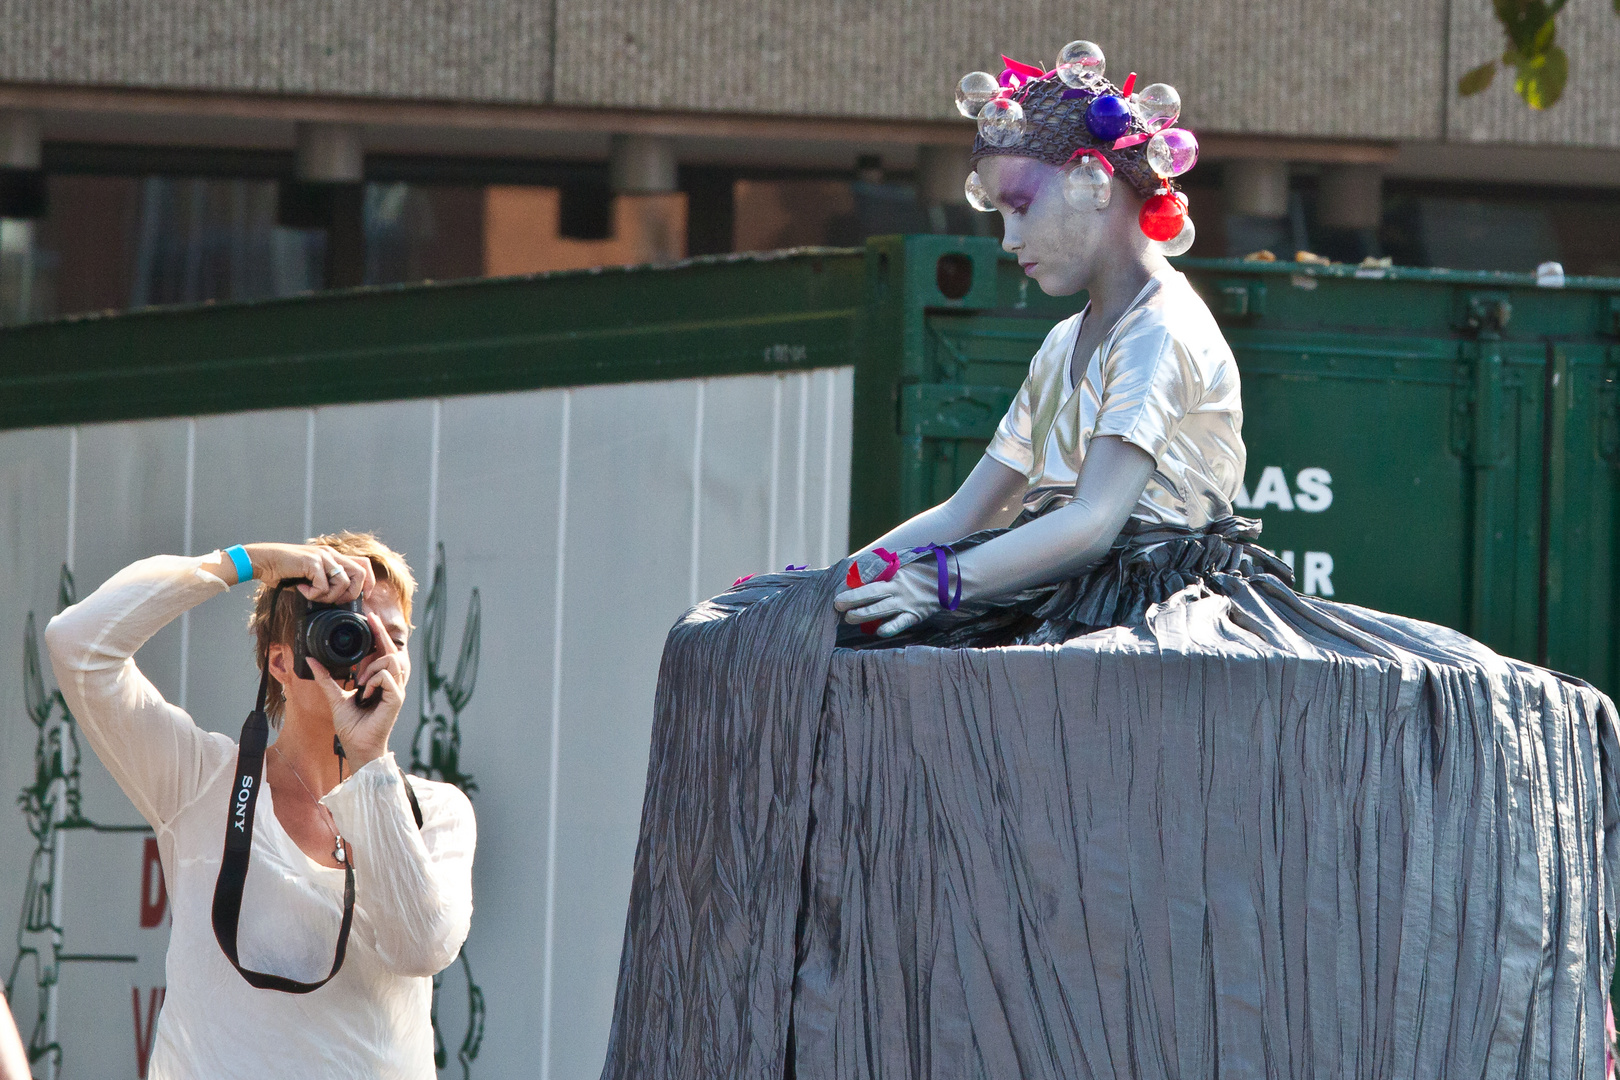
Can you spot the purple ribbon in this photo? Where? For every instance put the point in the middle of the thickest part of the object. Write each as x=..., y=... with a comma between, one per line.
x=941, y=553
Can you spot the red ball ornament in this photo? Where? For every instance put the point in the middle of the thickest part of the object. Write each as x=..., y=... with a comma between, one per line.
x=1162, y=216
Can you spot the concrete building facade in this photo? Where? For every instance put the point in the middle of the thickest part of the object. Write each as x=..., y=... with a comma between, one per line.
x=1309, y=111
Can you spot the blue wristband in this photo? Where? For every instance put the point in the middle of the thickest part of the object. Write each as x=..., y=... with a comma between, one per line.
x=244, y=565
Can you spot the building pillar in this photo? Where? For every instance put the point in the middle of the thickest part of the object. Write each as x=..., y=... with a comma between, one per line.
x=1351, y=197
x=649, y=212
x=21, y=139
x=23, y=202
x=1256, y=195
x=941, y=177
x=22, y=177
x=329, y=194
x=1350, y=211
x=642, y=165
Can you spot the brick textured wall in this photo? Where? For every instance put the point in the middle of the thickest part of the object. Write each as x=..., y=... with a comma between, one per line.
x=470, y=50
x=1296, y=67
x=1373, y=69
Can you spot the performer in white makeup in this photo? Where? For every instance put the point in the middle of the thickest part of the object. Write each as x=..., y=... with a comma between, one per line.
x=1131, y=415
x=1092, y=791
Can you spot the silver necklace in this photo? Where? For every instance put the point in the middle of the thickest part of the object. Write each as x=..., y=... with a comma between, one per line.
x=338, y=852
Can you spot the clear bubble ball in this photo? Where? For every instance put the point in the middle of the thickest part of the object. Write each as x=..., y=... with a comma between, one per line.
x=1157, y=107
x=975, y=91
x=1182, y=242
x=1081, y=63
x=1002, y=123
x=1172, y=151
x=977, y=196
x=1088, y=186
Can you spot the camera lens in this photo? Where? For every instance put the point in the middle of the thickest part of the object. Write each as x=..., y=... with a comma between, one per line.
x=345, y=641
x=338, y=639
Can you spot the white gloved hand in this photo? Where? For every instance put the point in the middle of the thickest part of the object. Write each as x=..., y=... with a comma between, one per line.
x=900, y=603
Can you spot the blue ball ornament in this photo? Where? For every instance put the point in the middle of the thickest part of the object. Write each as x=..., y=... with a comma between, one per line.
x=1108, y=117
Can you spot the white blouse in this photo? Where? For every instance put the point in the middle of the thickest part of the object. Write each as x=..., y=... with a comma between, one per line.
x=413, y=887
x=1163, y=379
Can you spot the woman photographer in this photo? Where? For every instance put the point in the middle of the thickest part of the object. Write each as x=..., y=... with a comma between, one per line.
x=412, y=897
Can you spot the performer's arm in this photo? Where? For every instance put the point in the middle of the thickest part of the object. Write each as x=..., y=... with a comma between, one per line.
x=1069, y=539
x=1056, y=545
x=158, y=756
x=988, y=498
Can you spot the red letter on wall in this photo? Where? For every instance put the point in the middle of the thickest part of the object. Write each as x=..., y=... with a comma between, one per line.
x=154, y=895
x=144, y=1036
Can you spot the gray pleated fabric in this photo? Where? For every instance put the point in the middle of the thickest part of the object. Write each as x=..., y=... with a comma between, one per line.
x=1257, y=835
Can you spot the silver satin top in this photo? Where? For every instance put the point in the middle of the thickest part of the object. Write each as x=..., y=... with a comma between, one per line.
x=1163, y=379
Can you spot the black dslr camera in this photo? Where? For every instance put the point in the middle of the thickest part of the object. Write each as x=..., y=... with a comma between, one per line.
x=335, y=634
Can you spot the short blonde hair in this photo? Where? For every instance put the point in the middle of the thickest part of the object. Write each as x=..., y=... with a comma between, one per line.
x=277, y=611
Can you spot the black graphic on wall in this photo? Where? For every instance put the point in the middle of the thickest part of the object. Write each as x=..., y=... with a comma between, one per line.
x=436, y=755
x=51, y=808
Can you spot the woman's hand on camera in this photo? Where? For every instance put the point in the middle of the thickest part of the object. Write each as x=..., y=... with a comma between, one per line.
x=380, y=681
x=333, y=578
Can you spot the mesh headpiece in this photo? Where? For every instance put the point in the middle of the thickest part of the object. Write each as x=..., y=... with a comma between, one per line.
x=1071, y=117
x=1055, y=115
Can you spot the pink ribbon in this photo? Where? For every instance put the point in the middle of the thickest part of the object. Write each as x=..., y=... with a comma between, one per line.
x=1025, y=72
x=1130, y=140
x=1087, y=150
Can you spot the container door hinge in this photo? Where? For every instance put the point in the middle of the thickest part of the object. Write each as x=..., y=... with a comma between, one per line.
x=1608, y=417
x=1487, y=313
x=1238, y=299
x=1476, y=409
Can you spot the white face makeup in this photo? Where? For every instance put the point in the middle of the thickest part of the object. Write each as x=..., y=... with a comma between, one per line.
x=1058, y=245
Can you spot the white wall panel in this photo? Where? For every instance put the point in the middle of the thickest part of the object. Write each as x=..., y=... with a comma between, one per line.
x=33, y=545
x=34, y=481
x=629, y=505
x=370, y=473
x=585, y=519
x=248, y=486
x=499, y=477
x=131, y=502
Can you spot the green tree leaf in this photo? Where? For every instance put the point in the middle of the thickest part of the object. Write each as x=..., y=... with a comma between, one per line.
x=1544, y=36
x=1478, y=80
x=1522, y=20
x=1540, y=80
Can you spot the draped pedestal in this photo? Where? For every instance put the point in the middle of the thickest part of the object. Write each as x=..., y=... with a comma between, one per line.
x=1256, y=834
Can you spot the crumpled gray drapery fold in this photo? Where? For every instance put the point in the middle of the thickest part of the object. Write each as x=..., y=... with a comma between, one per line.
x=1256, y=834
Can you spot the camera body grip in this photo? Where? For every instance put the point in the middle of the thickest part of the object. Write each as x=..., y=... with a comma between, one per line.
x=337, y=635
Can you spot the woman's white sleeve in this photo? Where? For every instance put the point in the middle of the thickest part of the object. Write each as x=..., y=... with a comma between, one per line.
x=158, y=756
x=413, y=887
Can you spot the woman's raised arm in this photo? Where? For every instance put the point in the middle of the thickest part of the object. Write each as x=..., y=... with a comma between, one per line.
x=158, y=756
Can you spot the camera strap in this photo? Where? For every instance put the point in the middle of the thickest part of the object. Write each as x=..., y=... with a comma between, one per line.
x=233, y=865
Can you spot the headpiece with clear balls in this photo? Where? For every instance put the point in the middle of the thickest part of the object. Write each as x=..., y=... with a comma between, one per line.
x=1074, y=118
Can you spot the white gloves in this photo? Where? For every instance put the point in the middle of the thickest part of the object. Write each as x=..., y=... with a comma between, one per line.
x=911, y=593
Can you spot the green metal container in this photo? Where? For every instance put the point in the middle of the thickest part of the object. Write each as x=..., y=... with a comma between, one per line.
x=722, y=316
x=1436, y=444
